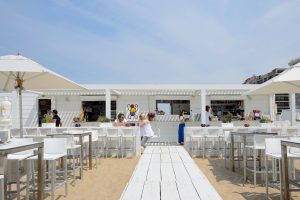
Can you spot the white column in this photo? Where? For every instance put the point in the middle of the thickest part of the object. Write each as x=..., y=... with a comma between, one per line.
x=293, y=108
x=272, y=106
x=107, y=104
x=203, y=104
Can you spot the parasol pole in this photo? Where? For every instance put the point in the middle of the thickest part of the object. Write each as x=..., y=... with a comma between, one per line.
x=19, y=86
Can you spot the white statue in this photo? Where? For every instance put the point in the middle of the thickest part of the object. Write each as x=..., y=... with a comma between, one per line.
x=5, y=108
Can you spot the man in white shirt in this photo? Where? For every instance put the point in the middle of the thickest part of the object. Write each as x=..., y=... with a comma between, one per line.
x=121, y=121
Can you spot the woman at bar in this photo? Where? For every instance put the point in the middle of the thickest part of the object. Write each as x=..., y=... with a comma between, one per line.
x=181, y=128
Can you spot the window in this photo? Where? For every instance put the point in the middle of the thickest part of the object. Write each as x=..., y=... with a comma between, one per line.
x=95, y=109
x=282, y=102
x=220, y=107
x=176, y=106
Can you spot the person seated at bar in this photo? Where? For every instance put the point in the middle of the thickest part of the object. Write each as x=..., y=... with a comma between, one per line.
x=121, y=121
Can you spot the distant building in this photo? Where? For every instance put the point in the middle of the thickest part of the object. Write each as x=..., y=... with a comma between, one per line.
x=265, y=77
x=281, y=100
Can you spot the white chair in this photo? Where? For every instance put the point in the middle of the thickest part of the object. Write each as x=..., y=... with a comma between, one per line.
x=292, y=131
x=128, y=134
x=31, y=132
x=227, y=145
x=113, y=135
x=44, y=131
x=101, y=139
x=73, y=155
x=278, y=130
x=59, y=130
x=1, y=187
x=17, y=158
x=258, y=144
x=54, y=150
x=213, y=140
x=198, y=135
x=15, y=133
x=95, y=146
x=273, y=151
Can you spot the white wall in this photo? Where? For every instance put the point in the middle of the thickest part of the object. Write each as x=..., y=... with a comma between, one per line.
x=257, y=102
x=142, y=101
x=68, y=107
x=30, y=108
x=196, y=104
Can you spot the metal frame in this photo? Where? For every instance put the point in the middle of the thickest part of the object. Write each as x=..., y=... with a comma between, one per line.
x=9, y=149
x=285, y=168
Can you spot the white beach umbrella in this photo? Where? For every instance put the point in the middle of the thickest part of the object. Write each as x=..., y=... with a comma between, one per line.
x=286, y=82
x=19, y=72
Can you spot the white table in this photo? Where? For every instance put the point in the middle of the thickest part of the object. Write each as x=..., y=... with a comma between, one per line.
x=14, y=147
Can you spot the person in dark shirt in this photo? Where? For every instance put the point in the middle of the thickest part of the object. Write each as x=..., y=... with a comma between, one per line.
x=56, y=118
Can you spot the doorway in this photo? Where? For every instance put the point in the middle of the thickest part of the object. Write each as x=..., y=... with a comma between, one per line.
x=44, y=107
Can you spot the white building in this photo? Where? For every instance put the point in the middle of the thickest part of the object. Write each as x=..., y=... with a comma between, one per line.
x=147, y=98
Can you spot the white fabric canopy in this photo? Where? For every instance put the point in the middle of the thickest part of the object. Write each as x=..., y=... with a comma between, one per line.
x=19, y=72
x=35, y=76
x=286, y=82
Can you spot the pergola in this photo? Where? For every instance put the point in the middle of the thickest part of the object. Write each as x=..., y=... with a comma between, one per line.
x=109, y=90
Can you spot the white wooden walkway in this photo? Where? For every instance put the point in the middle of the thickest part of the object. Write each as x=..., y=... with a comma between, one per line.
x=168, y=173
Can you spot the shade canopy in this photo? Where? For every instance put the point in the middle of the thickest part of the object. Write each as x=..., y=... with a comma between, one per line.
x=286, y=82
x=33, y=75
x=19, y=72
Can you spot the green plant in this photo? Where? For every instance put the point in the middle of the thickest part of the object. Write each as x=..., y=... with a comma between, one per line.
x=47, y=118
x=103, y=119
x=265, y=120
x=227, y=118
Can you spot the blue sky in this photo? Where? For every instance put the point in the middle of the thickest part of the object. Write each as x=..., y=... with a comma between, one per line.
x=153, y=41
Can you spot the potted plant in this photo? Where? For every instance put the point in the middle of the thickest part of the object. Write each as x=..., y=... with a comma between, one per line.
x=265, y=122
x=47, y=121
x=227, y=120
x=104, y=121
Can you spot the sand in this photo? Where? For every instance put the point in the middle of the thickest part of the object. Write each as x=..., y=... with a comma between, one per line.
x=230, y=184
x=106, y=182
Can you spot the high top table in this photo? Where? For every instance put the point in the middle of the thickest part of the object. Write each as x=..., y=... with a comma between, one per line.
x=285, y=183
x=244, y=135
x=80, y=134
x=14, y=147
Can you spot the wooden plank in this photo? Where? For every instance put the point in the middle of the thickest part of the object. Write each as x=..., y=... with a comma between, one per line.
x=156, y=150
x=151, y=190
x=187, y=191
x=175, y=158
x=180, y=172
x=172, y=149
x=205, y=190
x=133, y=191
x=154, y=172
x=194, y=171
x=186, y=158
x=167, y=172
x=148, y=150
x=165, y=158
x=165, y=150
x=169, y=191
x=155, y=158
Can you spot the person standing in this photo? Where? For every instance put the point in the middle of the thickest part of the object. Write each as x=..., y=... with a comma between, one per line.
x=146, y=130
x=181, y=128
x=56, y=119
x=208, y=116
